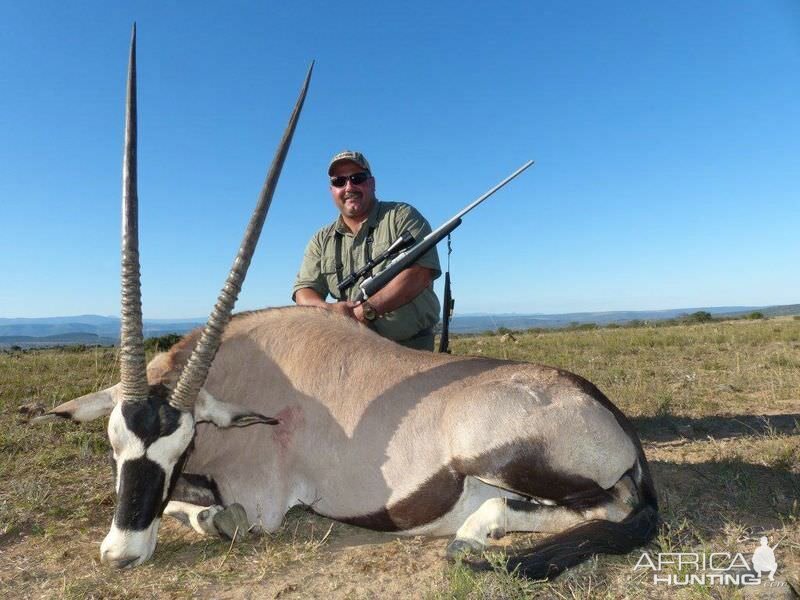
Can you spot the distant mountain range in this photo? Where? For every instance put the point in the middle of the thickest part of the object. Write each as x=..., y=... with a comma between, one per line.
x=99, y=330
x=81, y=329
x=476, y=323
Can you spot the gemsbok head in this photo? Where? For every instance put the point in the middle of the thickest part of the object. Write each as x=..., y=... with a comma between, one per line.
x=151, y=427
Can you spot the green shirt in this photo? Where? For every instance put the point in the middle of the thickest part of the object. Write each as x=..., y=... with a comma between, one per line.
x=387, y=221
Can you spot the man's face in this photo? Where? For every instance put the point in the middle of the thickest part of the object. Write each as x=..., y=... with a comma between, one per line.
x=353, y=201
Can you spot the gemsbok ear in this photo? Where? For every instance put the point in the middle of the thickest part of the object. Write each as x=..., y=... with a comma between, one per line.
x=224, y=414
x=84, y=409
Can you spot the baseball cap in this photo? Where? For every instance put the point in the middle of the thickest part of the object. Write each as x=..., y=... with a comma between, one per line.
x=352, y=156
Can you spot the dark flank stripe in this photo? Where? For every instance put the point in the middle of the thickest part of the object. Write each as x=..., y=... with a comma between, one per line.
x=523, y=467
x=525, y=506
x=432, y=500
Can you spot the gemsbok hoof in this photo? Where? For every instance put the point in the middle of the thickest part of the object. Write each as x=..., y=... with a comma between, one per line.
x=462, y=548
x=232, y=520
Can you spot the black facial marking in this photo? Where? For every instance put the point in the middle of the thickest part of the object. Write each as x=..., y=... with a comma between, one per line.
x=152, y=418
x=141, y=485
x=141, y=481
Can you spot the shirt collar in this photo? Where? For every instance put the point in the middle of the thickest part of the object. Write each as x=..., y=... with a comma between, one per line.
x=370, y=222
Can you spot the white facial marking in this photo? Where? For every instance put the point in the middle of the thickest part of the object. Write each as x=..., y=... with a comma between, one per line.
x=124, y=443
x=122, y=544
x=166, y=450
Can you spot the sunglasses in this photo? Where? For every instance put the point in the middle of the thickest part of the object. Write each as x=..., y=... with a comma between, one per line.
x=355, y=179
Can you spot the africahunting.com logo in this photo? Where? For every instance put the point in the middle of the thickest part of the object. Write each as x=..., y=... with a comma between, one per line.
x=712, y=568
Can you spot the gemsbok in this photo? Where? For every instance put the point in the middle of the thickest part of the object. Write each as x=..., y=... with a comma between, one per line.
x=254, y=414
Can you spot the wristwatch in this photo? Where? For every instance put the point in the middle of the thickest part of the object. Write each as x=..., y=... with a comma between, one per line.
x=370, y=314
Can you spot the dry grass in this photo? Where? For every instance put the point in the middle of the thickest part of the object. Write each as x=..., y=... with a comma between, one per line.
x=697, y=394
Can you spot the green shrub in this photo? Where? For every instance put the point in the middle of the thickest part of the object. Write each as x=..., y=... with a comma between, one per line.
x=161, y=343
x=701, y=316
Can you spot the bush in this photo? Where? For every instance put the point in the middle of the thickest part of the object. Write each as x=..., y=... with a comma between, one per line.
x=161, y=343
x=700, y=316
x=755, y=315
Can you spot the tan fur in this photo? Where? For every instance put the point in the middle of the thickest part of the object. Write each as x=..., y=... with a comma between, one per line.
x=368, y=422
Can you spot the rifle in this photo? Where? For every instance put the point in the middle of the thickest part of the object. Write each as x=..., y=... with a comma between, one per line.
x=405, y=259
x=401, y=243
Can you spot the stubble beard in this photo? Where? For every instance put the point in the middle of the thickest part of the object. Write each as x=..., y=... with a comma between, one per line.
x=355, y=205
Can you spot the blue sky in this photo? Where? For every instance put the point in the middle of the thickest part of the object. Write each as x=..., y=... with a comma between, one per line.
x=666, y=138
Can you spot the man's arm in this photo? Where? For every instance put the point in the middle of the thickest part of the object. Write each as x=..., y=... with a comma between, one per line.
x=310, y=286
x=309, y=297
x=399, y=291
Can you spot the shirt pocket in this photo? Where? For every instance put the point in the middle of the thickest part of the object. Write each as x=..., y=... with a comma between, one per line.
x=328, y=266
x=378, y=248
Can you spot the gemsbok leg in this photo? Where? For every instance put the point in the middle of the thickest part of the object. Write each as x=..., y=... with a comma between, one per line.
x=215, y=520
x=501, y=515
x=196, y=503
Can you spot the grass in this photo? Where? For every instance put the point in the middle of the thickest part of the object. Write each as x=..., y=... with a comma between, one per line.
x=716, y=404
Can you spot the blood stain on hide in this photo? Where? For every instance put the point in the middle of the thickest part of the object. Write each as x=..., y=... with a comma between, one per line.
x=291, y=419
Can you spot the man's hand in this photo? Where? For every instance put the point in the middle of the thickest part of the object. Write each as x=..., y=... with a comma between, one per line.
x=399, y=291
x=309, y=297
x=358, y=315
x=343, y=308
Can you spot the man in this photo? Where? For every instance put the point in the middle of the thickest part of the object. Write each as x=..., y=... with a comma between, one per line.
x=407, y=308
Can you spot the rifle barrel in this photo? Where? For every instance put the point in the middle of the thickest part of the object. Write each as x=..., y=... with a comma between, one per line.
x=492, y=191
x=405, y=259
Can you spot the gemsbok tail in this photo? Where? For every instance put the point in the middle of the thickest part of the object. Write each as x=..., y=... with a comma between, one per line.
x=570, y=547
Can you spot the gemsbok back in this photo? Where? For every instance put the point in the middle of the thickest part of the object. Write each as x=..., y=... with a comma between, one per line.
x=358, y=428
